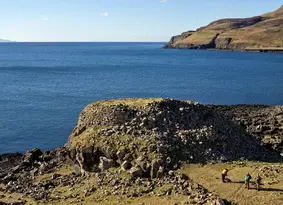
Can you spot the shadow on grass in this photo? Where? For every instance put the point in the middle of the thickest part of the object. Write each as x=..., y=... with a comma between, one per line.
x=237, y=182
x=227, y=202
x=268, y=189
x=261, y=188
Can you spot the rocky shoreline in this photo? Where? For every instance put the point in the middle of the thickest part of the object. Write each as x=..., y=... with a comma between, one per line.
x=204, y=47
x=135, y=147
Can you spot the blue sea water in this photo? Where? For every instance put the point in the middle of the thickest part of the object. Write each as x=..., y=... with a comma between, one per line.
x=44, y=86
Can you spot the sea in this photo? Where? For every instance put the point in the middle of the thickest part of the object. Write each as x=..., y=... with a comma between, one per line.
x=45, y=86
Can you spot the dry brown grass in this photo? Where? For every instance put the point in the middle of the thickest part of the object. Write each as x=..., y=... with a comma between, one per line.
x=202, y=37
x=209, y=177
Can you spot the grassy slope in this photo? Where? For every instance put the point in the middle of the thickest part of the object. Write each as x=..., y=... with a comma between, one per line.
x=209, y=177
x=265, y=34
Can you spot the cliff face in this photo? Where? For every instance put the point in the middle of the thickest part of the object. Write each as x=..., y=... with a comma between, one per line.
x=262, y=32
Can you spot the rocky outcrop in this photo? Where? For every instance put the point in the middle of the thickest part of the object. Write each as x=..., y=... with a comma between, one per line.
x=259, y=33
x=159, y=135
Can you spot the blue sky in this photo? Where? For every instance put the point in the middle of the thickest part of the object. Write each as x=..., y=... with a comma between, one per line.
x=117, y=20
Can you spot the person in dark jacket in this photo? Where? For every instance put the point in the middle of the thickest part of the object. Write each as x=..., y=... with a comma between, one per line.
x=258, y=182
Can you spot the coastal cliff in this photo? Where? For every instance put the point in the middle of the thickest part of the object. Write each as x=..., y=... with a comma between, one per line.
x=259, y=33
x=148, y=150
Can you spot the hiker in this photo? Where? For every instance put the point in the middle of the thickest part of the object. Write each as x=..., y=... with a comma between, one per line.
x=247, y=179
x=224, y=174
x=258, y=182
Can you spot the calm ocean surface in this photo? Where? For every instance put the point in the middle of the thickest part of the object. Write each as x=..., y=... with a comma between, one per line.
x=44, y=86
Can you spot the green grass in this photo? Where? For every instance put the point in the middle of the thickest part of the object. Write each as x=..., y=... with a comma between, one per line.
x=88, y=137
x=132, y=102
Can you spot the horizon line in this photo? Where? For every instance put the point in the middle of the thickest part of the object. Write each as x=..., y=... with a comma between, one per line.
x=84, y=42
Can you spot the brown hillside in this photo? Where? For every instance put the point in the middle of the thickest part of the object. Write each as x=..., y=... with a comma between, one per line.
x=264, y=32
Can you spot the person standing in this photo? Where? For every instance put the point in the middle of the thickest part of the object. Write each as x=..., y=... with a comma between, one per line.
x=247, y=180
x=258, y=182
x=224, y=174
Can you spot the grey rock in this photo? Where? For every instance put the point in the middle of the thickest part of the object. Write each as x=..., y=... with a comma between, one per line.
x=136, y=171
x=126, y=165
x=106, y=163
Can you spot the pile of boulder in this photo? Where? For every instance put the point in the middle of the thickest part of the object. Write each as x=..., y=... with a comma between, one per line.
x=152, y=139
x=173, y=183
x=8, y=161
x=263, y=122
x=19, y=171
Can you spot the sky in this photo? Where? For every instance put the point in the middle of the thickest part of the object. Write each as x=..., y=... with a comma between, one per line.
x=117, y=20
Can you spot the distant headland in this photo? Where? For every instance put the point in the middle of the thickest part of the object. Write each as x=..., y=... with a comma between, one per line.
x=260, y=33
x=4, y=41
